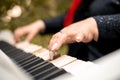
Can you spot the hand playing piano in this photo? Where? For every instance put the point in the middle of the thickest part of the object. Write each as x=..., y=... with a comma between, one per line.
x=31, y=30
x=82, y=31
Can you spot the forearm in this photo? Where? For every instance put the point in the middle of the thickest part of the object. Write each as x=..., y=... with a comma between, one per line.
x=108, y=26
x=55, y=24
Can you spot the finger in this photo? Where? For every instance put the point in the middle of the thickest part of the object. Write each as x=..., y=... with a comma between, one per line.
x=17, y=35
x=53, y=42
x=17, y=38
x=51, y=55
x=30, y=36
x=57, y=41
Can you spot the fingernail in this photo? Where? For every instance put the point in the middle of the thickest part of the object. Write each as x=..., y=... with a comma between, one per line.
x=78, y=38
x=51, y=55
x=54, y=46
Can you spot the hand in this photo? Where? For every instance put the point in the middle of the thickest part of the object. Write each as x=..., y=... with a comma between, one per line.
x=31, y=30
x=82, y=31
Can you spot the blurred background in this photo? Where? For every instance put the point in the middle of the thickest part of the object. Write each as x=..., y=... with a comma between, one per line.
x=16, y=13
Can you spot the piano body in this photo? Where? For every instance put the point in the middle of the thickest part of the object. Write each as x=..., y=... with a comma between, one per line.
x=35, y=60
x=27, y=61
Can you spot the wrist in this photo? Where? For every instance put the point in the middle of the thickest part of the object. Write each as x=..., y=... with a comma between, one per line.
x=40, y=25
x=94, y=29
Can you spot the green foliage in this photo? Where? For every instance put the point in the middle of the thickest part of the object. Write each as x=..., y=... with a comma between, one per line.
x=37, y=9
x=5, y=5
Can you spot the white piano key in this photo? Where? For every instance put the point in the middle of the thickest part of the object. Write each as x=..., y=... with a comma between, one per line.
x=28, y=47
x=31, y=48
x=63, y=60
x=22, y=45
x=78, y=67
x=66, y=76
x=43, y=53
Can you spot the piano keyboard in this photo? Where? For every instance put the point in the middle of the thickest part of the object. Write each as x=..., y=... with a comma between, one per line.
x=35, y=61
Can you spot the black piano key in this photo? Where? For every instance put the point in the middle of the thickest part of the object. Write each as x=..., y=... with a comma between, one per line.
x=26, y=58
x=29, y=60
x=17, y=58
x=36, y=66
x=41, y=68
x=28, y=65
x=7, y=48
x=45, y=71
x=53, y=74
x=11, y=50
x=4, y=44
x=15, y=52
x=49, y=73
x=16, y=55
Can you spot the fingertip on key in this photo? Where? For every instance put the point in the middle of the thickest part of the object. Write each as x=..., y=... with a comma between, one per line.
x=54, y=46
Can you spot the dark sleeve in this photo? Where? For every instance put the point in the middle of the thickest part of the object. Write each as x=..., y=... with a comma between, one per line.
x=54, y=24
x=104, y=7
x=108, y=26
x=82, y=11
